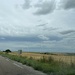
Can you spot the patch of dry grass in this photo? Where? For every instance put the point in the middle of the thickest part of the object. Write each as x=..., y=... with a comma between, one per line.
x=58, y=57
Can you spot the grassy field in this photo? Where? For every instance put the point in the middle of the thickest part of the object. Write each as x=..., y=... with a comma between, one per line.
x=52, y=64
x=56, y=56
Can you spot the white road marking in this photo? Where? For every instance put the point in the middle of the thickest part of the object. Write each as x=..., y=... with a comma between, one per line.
x=17, y=65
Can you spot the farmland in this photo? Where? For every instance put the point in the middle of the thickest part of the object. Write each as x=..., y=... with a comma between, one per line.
x=67, y=58
x=50, y=63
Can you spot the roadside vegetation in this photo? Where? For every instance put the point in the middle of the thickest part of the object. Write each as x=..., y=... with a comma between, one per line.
x=46, y=65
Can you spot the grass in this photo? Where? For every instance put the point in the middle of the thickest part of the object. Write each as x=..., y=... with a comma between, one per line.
x=46, y=65
x=66, y=58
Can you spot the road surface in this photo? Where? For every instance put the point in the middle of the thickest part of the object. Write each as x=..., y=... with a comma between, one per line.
x=9, y=67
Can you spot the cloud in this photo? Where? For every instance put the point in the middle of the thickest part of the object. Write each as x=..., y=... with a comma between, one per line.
x=43, y=37
x=26, y=5
x=2, y=38
x=37, y=32
x=42, y=24
x=30, y=38
x=45, y=7
x=50, y=38
x=55, y=38
x=67, y=4
x=50, y=28
x=23, y=39
x=67, y=32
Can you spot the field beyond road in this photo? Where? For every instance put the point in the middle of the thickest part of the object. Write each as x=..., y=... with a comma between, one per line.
x=49, y=63
x=67, y=58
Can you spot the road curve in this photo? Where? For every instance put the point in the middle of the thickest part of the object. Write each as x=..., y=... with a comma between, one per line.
x=9, y=67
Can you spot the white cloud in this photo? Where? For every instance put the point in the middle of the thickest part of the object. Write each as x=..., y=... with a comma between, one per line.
x=17, y=22
x=43, y=37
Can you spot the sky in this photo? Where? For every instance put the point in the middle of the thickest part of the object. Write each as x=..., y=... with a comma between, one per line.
x=37, y=25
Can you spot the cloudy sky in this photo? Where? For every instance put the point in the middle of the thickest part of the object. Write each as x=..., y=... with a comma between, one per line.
x=37, y=25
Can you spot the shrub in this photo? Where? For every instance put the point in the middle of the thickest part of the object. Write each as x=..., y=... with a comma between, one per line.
x=7, y=51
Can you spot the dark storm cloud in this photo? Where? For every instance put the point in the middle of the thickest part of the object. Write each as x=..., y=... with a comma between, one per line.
x=23, y=39
x=29, y=38
x=26, y=5
x=67, y=4
x=55, y=38
x=67, y=32
x=45, y=7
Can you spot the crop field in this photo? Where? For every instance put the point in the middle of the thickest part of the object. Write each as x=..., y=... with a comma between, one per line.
x=50, y=63
x=56, y=56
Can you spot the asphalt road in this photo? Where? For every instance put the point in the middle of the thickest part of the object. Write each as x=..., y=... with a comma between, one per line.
x=9, y=67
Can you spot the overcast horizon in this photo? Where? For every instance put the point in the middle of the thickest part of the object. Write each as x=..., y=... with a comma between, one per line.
x=37, y=25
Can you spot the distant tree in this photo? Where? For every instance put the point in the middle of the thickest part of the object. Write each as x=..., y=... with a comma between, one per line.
x=7, y=51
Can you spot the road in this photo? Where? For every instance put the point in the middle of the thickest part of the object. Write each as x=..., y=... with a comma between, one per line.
x=10, y=67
